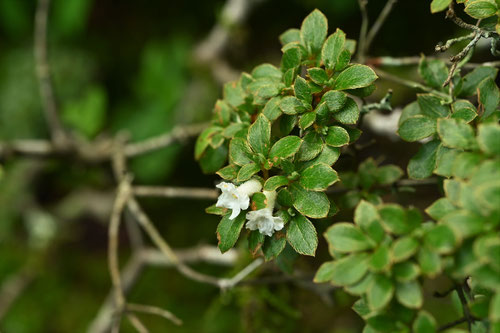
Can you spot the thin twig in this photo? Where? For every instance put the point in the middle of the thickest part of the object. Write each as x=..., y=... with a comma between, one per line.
x=175, y=192
x=412, y=61
x=452, y=324
x=362, y=31
x=114, y=269
x=153, y=310
x=58, y=135
x=179, y=133
x=379, y=22
x=465, y=307
x=456, y=58
x=444, y=47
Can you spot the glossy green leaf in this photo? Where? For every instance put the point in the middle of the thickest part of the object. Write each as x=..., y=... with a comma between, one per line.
x=404, y=248
x=481, y=9
x=423, y=163
x=229, y=230
x=313, y=31
x=239, y=151
x=409, y=294
x=312, y=145
x=318, y=177
x=247, y=171
x=310, y=203
x=337, y=137
x=335, y=100
x=424, y=323
x=380, y=292
x=349, y=113
x=433, y=71
x=439, y=5
x=349, y=270
x=355, y=76
x=302, y=235
x=347, y=237
x=417, y=128
x=285, y=147
x=259, y=135
x=432, y=106
x=332, y=48
x=302, y=90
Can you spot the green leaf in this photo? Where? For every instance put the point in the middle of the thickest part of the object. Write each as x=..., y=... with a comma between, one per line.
x=409, y=110
x=349, y=270
x=273, y=246
x=216, y=210
x=272, y=109
x=439, y=5
x=290, y=36
x=318, y=177
x=489, y=97
x=455, y=134
x=347, y=237
x=445, y=158
x=302, y=235
x=275, y=182
x=409, y=294
x=337, y=136
x=213, y=159
x=380, y=259
x=302, y=90
x=417, y=128
x=355, y=76
x=317, y=75
x=229, y=172
x=312, y=145
x=291, y=58
x=266, y=71
x=367, y=217
x=405, y=271
x=259, y=135
x=380, y=292
x=404, y=248
x=440, y=238
x=343, y=60
x=393, y=218
x=440, y=208
x=233, y=94
x=464, y=223
x=310, y=203
x=292, y=105
x=307, y=119
x=488, y=138
x=325, y=272
x=255, y=241
x=349, y=114
x=313, y=31
x=284, y=148
x=229, y=230
x=332, y=48
x=424, y=323
x=464, y=110
x=471, y=80
x=480, y=9
x=87, y=115
x=247, y=171
x=434, y=72
x=495, y=308
x=429, y=261
x=466, y=163
x=360, y=287
x=239, y=152
x=335, y=100
x=203, y=140
x=423, y=163
x=431, y=106
x=388, y=174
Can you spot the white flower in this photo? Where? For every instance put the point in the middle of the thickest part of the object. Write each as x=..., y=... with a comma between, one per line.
x=263, y=219
x=237, y=198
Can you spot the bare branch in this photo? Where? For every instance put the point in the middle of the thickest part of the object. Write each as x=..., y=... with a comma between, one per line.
x=175, y=192
x=179, y=133
x=411, y=61
x=153, y=310
x=384, y=14
x=363, y=31
x=59, y=136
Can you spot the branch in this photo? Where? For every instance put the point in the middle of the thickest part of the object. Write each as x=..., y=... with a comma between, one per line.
x=143, y=257
x=179, y=133
x=58, y=135
x=452, y=324
x=411, y=61
x=379, y=22
x=13, y=287
x=175, y=192
x=363, y=31
x=153, y=310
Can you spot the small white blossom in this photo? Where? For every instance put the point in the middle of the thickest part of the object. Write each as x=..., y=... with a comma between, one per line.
x=264, y=221
x=237, y=198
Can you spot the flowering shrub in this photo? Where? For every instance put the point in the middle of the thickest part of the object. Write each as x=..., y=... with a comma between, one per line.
x=277, y=133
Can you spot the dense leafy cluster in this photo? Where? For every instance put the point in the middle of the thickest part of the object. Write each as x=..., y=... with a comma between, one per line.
x=284, y=127
x=384, y=256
